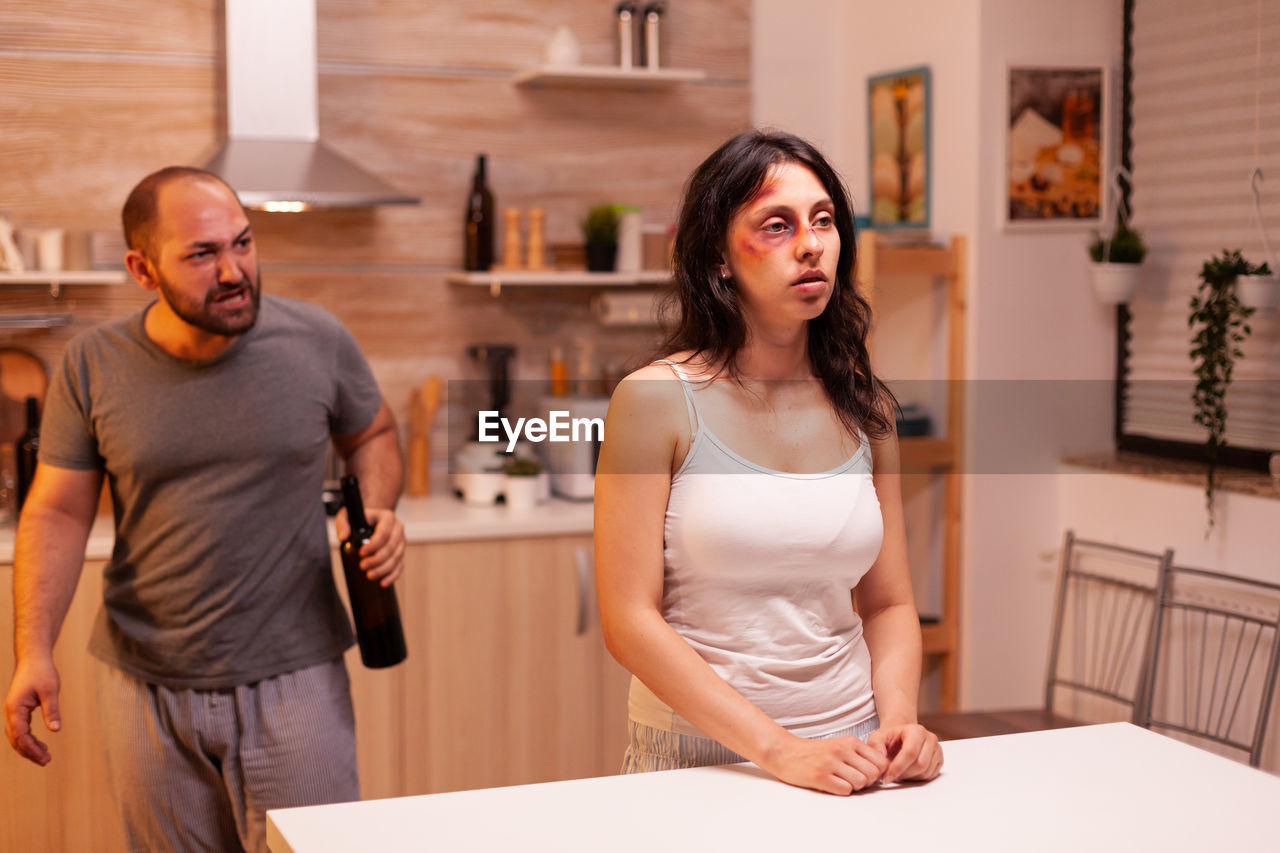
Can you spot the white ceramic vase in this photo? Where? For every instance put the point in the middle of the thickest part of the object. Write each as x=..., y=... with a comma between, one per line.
x=1115, y=284
x=1260, y=292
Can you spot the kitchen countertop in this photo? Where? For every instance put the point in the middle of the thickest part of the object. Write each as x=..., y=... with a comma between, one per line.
x=1109, y=787
x=438, y=518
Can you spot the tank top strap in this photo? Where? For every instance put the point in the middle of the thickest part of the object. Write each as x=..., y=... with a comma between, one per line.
x=695, y=420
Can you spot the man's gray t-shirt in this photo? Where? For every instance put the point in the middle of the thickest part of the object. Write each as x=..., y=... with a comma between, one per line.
x=221, y=569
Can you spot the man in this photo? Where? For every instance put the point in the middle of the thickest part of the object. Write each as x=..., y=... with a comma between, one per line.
x=220, y=681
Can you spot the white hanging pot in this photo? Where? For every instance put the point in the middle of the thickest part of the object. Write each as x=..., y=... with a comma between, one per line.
x=1260, y=292
x=1115, y=284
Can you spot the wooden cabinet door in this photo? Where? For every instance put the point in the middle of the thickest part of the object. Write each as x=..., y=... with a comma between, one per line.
x=67, y=804
x=507, y=667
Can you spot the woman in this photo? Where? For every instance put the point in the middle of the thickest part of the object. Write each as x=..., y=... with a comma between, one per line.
x=736, y=505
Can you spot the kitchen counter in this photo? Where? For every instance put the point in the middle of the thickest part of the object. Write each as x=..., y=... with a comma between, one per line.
x=1109, y=787
x=438, y=518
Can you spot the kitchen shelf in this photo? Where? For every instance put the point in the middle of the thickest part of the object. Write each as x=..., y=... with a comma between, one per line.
x=606, y=76
x=921, y=453
x=934, y=456
x=57, y=278
x=495, y=280
x=34, y=321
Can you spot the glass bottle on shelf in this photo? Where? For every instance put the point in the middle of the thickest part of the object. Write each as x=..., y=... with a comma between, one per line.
x=478, y=232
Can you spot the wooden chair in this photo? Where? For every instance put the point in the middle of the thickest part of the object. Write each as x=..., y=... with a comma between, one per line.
x=1103, y=632
x=1215, y=661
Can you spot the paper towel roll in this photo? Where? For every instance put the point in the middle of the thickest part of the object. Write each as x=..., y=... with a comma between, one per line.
x=630, y=241
x=626, y=309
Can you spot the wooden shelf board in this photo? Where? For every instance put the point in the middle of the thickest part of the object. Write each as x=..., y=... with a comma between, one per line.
x=34, y=321
x=60, y=277
x=553, y=278
x=936, y=638
x=926, y=452
x=606, y=76
x=914, y=260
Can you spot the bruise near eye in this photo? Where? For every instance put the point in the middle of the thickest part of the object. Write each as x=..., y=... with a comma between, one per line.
x=752, y=246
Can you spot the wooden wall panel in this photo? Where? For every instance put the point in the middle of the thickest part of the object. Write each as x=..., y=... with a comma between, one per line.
x=78, y=134
x=510, y=34
x=96, y=93
x=174, y=27
x=414, y=324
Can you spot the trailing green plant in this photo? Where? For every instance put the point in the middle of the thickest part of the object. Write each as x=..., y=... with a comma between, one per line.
x=1124, y=247
x=1223, y=327
x=601, y=225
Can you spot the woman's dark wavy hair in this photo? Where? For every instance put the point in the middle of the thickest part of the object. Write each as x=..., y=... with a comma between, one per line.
x=711, y=323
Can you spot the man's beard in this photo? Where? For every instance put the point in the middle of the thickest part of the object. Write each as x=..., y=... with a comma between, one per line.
x=202, y=317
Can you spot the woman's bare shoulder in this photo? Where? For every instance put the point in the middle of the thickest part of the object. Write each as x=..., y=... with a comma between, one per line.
x=653, y=392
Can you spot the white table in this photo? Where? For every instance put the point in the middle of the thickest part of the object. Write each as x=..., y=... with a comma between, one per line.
x=1111, y=787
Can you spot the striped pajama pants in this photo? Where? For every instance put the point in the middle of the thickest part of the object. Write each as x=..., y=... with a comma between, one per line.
x=196, y=770
x=658, y=749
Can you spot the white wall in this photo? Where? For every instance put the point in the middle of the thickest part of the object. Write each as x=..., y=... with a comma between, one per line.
x=1032, y=316
x=1040, y=346
x=798, y=82
x=1034, y=319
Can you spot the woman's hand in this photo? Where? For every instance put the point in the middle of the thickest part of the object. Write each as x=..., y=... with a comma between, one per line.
x=839, y=765
x=913, y=751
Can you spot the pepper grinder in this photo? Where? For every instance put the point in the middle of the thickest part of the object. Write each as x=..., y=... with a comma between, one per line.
x=535, y=251
x=511, y=239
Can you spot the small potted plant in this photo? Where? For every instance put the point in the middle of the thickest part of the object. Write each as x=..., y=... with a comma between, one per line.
x=1117, y=264
x=1222, y=321
x=524, y=486
x=600, y=233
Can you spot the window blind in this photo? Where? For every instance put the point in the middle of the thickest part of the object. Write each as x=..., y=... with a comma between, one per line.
x=1205, y=112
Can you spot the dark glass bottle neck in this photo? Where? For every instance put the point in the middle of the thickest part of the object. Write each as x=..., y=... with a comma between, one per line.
x=33, y=413
x=354, y=503
x=480, y=169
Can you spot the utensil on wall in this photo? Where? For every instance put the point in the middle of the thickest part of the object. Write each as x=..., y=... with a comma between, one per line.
x=10, y=257
x=422, y=411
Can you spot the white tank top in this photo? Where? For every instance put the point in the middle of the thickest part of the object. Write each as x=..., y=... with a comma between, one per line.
x=759, y=566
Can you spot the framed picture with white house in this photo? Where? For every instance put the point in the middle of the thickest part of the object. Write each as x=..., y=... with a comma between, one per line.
x=1056, y=145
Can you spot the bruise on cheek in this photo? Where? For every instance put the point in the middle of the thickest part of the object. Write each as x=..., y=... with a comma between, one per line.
x=751, y=246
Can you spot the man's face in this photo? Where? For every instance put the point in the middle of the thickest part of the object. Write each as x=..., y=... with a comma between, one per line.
x=204, y=257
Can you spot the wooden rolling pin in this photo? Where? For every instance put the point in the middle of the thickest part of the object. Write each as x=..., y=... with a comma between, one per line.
x=423, y=403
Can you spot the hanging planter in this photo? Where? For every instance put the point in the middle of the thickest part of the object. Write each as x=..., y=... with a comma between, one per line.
x=1222, y=322
x=1259, y=291
x=1117, y=264
x=1115, y=284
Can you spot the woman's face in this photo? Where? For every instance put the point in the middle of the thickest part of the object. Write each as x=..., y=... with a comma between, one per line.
x=782, y=247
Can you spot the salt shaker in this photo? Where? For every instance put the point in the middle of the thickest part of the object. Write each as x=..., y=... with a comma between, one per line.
x=649, y=35
x=626, y=14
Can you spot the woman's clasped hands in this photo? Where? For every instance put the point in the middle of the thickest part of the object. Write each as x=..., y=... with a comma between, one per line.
x=843, y=765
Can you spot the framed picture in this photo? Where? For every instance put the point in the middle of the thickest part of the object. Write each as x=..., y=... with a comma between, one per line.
x=898, y=148
x=1055, y=147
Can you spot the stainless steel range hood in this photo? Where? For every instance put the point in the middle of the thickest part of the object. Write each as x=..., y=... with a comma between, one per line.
x=274, y=158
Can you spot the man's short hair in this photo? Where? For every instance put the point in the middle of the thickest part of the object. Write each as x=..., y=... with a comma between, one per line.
x=139, y=213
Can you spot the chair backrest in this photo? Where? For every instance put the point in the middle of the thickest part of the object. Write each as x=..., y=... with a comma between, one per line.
x=1215, y=662
x=1103, y=630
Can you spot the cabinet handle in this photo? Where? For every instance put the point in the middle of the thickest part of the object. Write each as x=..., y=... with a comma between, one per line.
x=582, y=557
